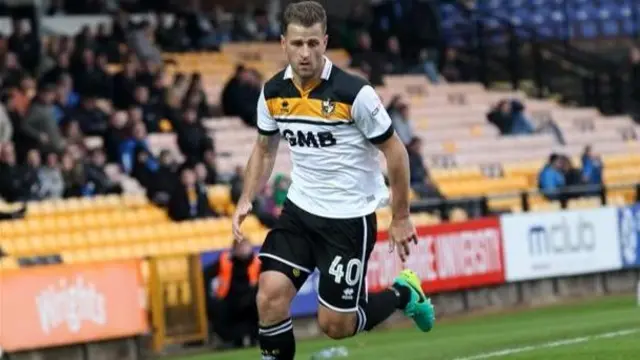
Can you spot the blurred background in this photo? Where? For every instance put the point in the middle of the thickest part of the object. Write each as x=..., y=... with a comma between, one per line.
x=125, y=126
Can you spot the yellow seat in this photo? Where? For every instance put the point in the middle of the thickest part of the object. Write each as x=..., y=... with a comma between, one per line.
x=507, y=203
x=40, y=208
x=456, y=174
x=542, y=206
x=251, y=223
x=584, y=203
x=8, y=263
x=219, y=196
x=257, y=237
x=458, y=215
x=425, y=219
x=616, y=200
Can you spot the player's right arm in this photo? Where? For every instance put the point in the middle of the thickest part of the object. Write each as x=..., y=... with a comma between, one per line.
x=260, y=164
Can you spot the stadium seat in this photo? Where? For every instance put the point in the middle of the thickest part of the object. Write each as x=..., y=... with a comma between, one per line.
x=543, y=206
x=584, y=203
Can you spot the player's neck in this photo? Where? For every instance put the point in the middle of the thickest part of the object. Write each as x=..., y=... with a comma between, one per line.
x=305, y=83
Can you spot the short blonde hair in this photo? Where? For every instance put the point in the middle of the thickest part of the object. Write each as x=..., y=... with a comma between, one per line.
x=305, y=13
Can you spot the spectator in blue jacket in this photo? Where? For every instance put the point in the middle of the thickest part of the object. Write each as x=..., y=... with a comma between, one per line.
x=591, y=167
x=135, y=143
x=551, y=180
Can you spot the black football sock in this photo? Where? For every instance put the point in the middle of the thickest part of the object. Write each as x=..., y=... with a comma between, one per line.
x=380, y=306
x=277, y=341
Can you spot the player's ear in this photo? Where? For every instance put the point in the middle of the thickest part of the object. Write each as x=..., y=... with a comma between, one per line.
x=283, y=42
x=326, y=40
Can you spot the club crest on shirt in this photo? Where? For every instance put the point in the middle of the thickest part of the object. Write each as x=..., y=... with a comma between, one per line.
x=285, y=107
x=328, y=107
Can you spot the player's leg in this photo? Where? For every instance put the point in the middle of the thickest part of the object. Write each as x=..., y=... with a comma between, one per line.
x=286, y=263
x=275, y=293
x=345, y=306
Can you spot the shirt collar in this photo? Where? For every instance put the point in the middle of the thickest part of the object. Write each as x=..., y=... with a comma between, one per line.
x=326, y=70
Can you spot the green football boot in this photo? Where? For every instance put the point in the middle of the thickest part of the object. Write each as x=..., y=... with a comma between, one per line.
x=419, y=307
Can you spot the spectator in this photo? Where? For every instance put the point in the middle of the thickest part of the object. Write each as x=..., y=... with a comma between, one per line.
x=573, y=177
x=394, y=63
x=357, y=22
x=11, y=183
x=73, y=133
x=147, y=73
x=419, y=175
x=29, y=172
x=261, y=29
x=192, y=137
x=281, y=185
x=189, y=200
x=196, y=96
x=129, y=147
x=520, y=123
x=74, y=176
x=212, y=167
x=66, y=99
x=50, y=176
x=97, y=176
x=25, y=44
x=141, y=40
x=551, y=180
x=150, y=113
x=172, y=108
x=115, y=135
x=231, y=284
x=102, y=78
x=144, y=168
x=164, y=179
x=510, y=118
x=124, y=84
x=62, y=66
x=427, y=66
x=399, y=112
x=591, y=167
x=454, y=68
x=174, y=37
x=500, y=116
x=368, y=61
x=12, y=73
x=40, y=125
x=92, y=120
x=240, y=90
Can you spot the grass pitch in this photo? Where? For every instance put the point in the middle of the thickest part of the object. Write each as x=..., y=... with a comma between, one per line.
x=604, y=328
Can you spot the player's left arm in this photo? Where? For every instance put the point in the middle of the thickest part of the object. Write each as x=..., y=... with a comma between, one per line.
x=372, y=119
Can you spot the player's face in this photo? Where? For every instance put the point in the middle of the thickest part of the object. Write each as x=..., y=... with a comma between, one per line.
x=305, y=47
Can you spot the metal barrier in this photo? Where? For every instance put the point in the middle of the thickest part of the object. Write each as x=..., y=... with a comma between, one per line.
x=528, y=200
x=178, y=307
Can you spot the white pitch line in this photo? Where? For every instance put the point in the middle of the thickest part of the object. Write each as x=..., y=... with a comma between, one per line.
x=548, y=345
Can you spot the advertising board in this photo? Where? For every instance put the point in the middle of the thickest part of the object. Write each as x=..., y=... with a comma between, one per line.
x=543, y=245
x=67, y=304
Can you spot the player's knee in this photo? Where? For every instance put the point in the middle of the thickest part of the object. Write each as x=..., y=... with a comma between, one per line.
x=274, y=297
x=337, y=325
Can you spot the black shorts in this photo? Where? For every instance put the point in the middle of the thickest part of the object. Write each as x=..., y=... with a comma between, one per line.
x=339, y=248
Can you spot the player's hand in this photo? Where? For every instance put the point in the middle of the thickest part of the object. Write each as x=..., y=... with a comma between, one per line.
x=401, y=233
x=242, y=210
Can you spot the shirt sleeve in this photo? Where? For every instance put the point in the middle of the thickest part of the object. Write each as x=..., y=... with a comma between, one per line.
x=370, y=116
x=266, y=123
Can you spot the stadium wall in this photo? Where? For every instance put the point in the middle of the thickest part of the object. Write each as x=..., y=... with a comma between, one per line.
x=492, y=264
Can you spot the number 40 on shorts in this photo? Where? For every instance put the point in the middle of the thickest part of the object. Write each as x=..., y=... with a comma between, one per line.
x=352, y=274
